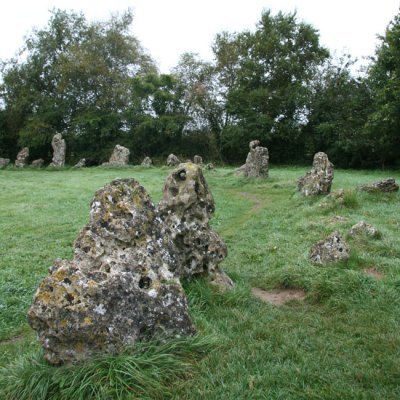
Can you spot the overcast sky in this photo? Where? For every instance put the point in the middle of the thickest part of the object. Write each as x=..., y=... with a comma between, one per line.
x=167, y=28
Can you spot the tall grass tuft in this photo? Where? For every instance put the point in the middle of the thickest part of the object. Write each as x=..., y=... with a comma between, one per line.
x=148, y=371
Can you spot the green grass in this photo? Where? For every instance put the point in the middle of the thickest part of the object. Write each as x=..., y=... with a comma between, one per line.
x=342, y=342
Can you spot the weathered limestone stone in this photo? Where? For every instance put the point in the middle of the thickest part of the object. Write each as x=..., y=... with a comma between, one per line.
x=319, y=179
x=81, y=163
x=362, y=228
x=198, y=160
x=330, y=250
x=119, y=156
x=59, y=147
x=185, y=210
x=37, y=163
x=172, y=160
x=4, y=162
x=121, y=285
x=256, y=162
x=22, y=158
x=147, y=162
x=386, y=185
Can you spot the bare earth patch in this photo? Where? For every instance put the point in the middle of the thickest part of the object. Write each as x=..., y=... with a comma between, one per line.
x=371, y=271
x=337, y=219
x=12, y=339
x=278, y=296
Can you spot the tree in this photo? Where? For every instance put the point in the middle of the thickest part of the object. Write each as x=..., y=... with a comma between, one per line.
x=266, y=74
x=74, y=78
x=383, y=125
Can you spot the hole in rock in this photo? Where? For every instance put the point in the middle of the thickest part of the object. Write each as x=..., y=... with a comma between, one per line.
x=67, y=281
x=174, y=191
x=144, y=282
x=182, y=175
x=69, y=297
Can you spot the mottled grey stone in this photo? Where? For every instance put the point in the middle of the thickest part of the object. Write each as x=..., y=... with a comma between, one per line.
x=210, y=166
x=81, y=163
x=256, y=162
x=198, y=160
x=22, y=158
x=319, y=179
x=119, y=157
x=122, y=284
x=384, y=186
x=172, y=160
x=185, y=210
x=4, y=162
x=147, y=162
x=362, y=228
x=329, y=250
x=38, y=163
x=59, y=148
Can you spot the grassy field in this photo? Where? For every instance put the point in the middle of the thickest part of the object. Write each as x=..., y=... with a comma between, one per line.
x=341, y=342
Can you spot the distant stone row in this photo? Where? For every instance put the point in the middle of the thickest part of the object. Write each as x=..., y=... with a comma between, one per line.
x=119, y=157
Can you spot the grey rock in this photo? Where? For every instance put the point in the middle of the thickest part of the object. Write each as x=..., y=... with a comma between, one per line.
x=22, y=158
x=81, y=163
x=37, y=163
x=384, y=186
x=59, y=148
x=362, y=228
x=319, y=179
x=147, y=162
x=198, y=160
x=172, y=160
x=256, y=162
x=119, y=157
x=185, y=210
x=119, y=287
x=329, y=250
x=4, y=162
x=210, y=166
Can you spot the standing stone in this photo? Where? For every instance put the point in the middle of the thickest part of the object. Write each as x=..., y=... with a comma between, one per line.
x=319, y=179
x=198, y=160
x=210, y=166
x=383, y=186
x=37, y=163
x=172, y=160
x=119, y=287
x=59, y=147
x=4, y=162
x=329, y=250
x=81, y=163
x=256, y=162
x=119, y=156
x=362, y=228
x=185, y=210
x=147, y=162
x=22, y=158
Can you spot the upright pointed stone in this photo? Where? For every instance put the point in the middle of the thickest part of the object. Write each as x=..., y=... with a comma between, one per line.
x=59, y=148
x=22, y=158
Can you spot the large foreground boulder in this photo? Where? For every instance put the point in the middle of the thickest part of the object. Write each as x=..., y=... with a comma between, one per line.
x=59, y=148
x=185, y=210
x=22, y=158
x=256, y=162
x=319, y=179
x=383, y=186
x=330, y=250
x=119, y=157
x=120, y=286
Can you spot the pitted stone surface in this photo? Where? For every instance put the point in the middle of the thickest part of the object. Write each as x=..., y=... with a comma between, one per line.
x=172, y=160
x=22, y=158
x=256, y=162
x=319, y=179
x=120, y=285
x=329, y=250
x=119, y=156
x=185, y=210
x=147, y=162
x=198, y=160
x=4, y=162
x=386, y=185
x=59, y=148
x=37, y=163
